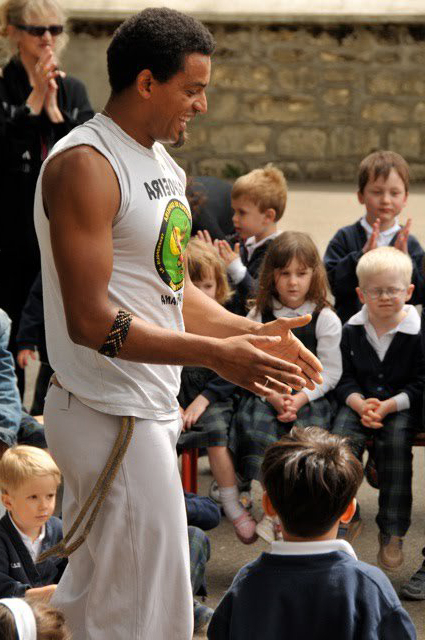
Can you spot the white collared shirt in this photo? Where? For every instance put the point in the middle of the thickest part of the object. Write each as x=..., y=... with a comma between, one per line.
x=410, y=324
x=384, y=238
x=328, y=335
x=236, y=270
x=312, y=547
x=33, y=547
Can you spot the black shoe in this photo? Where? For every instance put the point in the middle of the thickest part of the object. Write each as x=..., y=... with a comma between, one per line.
x=414, y=589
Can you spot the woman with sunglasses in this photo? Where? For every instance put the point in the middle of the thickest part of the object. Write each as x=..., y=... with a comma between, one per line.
x=39, y=104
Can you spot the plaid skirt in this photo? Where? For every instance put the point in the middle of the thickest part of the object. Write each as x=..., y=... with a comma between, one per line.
x=255, y=426
x=212, y=428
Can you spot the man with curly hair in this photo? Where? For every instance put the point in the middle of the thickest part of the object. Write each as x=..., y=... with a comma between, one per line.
x=113, y=222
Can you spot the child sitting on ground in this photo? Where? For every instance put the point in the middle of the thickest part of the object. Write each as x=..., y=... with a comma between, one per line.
x=383, y=188
x=29, y=479
x=292, y=283
x=380, y=391
x=30, y=619
x=311, y=585
x=258, y=201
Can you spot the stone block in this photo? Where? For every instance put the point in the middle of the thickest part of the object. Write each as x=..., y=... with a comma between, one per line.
x=384, y=82
x=266, y=108
x=220, y=167
x=300, y=79
x=336, y=97
x=417, y=171
x=286, y=55
x=300, y=142
x=406, y=141
x=351, y=141
x=419, y=113
x=343, y=75
x=334, y=171
x=226, y=76
x=240, y=138
x=222, y=105
x=197, y=137
x=386, y=57
x=382, y=112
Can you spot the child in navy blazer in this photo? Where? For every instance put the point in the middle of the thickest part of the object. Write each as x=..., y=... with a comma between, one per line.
x=380, y=391
x=29, y=479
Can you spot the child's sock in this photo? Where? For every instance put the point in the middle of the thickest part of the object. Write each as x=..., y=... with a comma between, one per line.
x=229, y=497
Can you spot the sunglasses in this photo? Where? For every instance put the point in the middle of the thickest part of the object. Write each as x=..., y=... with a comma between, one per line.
x=33, y=30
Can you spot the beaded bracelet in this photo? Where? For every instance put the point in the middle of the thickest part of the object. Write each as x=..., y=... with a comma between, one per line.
x=117, y=335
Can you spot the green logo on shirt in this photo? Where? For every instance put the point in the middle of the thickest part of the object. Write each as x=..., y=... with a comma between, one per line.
x=173, y=238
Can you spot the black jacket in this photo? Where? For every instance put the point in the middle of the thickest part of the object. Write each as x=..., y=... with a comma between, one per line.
x=402, y=369
x=25, y=141
x=341, y=258
x=247, y=288
x=31, y=332
x=17, y=570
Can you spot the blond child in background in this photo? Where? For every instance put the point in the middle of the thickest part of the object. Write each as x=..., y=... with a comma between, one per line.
x=383, y=189
x=29, y=479
x=258, y=202
x=381, y=388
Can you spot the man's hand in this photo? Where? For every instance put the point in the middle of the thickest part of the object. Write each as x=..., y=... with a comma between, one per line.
x=372, y=242
x=24, y=355
x=245, y=361
x=291, y=349
x=403, y=237
x=225, y=251
x=194, y=411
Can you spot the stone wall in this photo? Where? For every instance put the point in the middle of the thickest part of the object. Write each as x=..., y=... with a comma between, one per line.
x=314, y=99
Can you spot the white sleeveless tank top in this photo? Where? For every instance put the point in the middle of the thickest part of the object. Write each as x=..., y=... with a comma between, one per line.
x=150, y=233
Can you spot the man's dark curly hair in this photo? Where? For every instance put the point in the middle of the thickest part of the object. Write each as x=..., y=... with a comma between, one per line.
x=158, y=40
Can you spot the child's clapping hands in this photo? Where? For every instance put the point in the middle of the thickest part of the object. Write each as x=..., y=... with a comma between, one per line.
x=374, y=412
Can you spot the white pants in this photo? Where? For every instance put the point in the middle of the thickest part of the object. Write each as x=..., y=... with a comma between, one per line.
x=130, y=580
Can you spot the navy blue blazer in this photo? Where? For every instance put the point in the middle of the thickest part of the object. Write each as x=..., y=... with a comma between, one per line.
x=17, y=569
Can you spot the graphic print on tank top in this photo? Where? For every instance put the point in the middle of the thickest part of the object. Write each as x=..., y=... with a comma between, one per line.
x=173, y=238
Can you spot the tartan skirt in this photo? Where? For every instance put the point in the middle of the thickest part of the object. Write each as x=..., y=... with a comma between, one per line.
x=212, y=428
x=255, y=426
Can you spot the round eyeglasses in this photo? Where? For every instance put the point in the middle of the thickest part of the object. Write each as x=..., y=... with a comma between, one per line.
x=391, y=292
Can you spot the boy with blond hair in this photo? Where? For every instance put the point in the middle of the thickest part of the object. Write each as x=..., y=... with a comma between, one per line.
x=310, y=585
x=258, y=203
x=29, y=479
x=380, y=391
x=383, y=189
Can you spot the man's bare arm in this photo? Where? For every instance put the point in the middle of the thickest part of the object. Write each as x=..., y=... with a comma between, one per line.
x=82, y=197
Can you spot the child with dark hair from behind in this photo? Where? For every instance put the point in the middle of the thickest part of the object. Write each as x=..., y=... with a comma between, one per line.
x=311, y=585
x=30, y=619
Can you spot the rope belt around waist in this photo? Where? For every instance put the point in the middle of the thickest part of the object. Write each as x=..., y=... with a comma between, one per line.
x=98, y=493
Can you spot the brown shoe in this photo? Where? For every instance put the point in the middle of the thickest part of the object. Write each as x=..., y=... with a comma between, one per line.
x=350, y=531
x=390, y=554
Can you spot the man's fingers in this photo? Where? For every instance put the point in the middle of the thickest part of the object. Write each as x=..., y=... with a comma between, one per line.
x=292, y=323
x=268, y=391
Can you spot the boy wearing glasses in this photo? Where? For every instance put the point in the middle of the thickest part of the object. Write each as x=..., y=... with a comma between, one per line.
x=383, y=189
x=380, y=391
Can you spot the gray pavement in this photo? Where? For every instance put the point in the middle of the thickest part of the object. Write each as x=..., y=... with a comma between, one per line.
x=320, y=210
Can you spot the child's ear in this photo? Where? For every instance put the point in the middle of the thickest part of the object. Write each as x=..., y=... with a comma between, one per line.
x=269, y=510
x=360, y=295
x=360, y=197
x=349, y=512
x=5, y=498
x=270, y=215
x=409, y=292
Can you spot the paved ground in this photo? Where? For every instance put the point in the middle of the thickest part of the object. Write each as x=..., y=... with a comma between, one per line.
x=321, y=210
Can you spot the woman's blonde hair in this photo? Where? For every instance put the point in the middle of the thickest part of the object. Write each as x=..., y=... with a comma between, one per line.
x=21, y=463
x=282, y=250
x=14, y=12
x=50, y=622
x=202, y=261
